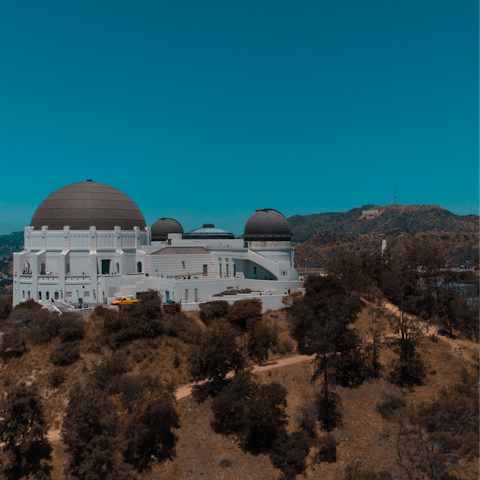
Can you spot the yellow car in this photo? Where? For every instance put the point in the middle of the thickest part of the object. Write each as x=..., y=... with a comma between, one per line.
x=125, y=301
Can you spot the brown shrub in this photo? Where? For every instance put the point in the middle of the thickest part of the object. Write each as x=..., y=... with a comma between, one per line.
x=65, y=354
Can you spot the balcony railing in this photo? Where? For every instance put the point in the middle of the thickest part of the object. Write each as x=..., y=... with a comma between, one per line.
x=48, y=278
x=76, y=278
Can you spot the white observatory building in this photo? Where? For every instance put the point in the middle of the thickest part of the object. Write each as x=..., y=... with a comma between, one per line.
x=88, y=243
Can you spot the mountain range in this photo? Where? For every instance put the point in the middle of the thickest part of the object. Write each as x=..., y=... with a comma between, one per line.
x=320, y=237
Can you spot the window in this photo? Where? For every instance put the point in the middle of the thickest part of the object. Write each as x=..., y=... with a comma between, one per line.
x=23, y=295
x=205, y=271
x=220, y=269
x=186, y=293
x=86, y=294
x=118, y=268
x=254, y=270
x=105, y=267
x=56, y=295
x=234, y=270
x=196, y=294
x=28, y=294
x=39, y=295
x=42, y=269
x=139, y=267
x=47, y=295
x=183, y=264
x=226, y=269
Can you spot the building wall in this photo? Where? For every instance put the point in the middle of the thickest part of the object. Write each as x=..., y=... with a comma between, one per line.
x=73, y=260
x=179, y=264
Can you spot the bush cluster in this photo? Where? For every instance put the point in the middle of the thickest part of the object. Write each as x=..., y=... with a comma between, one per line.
x=12, y=346
x=65, y=354
x=213, y=310
x=137, y=321
x=388, y=405
x=56, y=377
x=256, y=414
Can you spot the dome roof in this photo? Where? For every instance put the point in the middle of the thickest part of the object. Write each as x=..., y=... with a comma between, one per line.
x=267, y=223
x=209, y=228
x=163, y=226
x=209, y=231
x=85, y=204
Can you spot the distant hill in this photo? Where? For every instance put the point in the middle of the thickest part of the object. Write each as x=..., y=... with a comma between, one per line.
x=320, y=248
x=421, y=218
x=8, y=244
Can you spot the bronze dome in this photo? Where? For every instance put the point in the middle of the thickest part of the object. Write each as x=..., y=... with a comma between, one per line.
x=163, y=226
x=85, y=204
x=267, y=223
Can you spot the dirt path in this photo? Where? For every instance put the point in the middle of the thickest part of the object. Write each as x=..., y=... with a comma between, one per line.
x=186, y=390
x=54, y=435
x=461, y=347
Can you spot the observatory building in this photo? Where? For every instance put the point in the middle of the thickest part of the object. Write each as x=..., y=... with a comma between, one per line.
x=88, y=243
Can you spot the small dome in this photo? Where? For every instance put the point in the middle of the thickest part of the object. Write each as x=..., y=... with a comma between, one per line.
x=209, y=231
x=88, y=204
x=267, y=223
x=163, y=226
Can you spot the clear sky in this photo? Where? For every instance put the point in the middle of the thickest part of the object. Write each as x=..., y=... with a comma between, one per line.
x=207, y=110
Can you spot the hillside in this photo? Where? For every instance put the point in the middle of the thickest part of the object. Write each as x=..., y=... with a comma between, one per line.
x=422, y=218
x=366, y=438
x=457, y=248
x=8, y=244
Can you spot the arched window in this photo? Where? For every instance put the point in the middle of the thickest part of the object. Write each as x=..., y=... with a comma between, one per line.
x=139, y=267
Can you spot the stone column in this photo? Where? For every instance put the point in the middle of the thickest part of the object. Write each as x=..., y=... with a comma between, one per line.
x=93, y=266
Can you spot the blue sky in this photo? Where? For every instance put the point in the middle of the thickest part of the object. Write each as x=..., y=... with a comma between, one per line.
x=206, y=111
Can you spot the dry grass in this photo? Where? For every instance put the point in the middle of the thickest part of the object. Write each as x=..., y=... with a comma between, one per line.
x=202, y=454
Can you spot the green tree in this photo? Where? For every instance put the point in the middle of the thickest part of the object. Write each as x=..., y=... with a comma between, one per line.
x=243, y=314
x=408, y=368
x=90, y=434
x=23, y=431
x=261, y=337
x=320, y=324
x=254, y=412
x=151, y=420
x=218, y=354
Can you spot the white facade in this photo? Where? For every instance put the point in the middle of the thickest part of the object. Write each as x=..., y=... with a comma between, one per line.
x=94, y=266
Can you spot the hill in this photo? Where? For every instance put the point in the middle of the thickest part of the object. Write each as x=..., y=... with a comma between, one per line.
x=366, y=439
x=457, y=248
x=8, y=244
x=421, y=218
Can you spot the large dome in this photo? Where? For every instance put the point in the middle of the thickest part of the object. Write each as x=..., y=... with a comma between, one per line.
x=85, y=204
x=267, y=223
x=163, y=226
